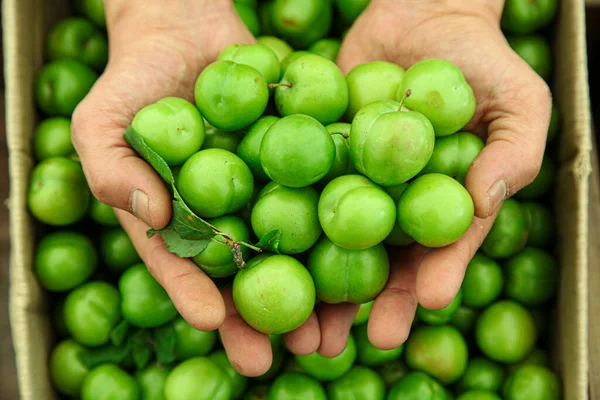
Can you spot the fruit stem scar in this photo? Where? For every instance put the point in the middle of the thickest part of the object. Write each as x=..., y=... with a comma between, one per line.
x=274, y=85
x=407, y=94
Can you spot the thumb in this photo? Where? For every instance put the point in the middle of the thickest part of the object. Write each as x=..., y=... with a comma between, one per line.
x=115, y=173
x=518, y=118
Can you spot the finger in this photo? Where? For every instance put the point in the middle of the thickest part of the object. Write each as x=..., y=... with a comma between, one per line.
x=394, y=309
x=442, y=270
x=335, y=321
x=518, y=118
x=248, y=350
x=193, y=293
x=115, y=173
x=306, y=339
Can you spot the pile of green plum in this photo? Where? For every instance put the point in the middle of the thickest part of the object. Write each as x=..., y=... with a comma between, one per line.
x=295, y=181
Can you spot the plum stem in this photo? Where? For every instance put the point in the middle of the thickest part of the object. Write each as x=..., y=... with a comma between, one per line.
x=274, y=85
x=407, y=94
x=345, y=135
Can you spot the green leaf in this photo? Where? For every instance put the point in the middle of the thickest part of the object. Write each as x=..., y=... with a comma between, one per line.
x=182, y=247
x=164, y=343
x=108, y=353
x=137, y=143
x=270, y=241
x=141, y=348
x=188, y=225
x=119, y=333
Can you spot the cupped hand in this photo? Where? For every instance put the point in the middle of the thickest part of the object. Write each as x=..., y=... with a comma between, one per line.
x=512, y=115
x=156, y=53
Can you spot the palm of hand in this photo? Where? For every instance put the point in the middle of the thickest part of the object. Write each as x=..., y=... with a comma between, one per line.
x=513, y=111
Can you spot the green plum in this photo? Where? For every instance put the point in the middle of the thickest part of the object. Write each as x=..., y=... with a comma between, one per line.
x=58, y=192
x=439, y=91
x=238, y=381
x=392, y=372
x=328, y=48
x=198, y=378
x=542, y=183
x=301, y=22
x=523, y=17
x=64, y=260
x=329, y=369
x=249, y=148
x=417, y=386
x=314, y=86
x=435, y=210
x=508, y=235
x=295, y=386
x=102, y=214
x=216, y=259
x=478, y=395
x=537, y=357
x=220, y=100
x=531, y=277
x=52, y=138
x=94, y=10
x=293, y=211
x=535, y=51
x=483, y=282
x=372, y=81
x=362, y=316
x=215, y=182
x=442, y=316
x=190, y=342
x=505, y=332
x=390, y=145
x=257, y=392
x=151, y=381
x=369, y=355
x=91, y=312
x=116, y=249
x=290, y=58
x=279, y=46
x=355, y=213
x=78, y=38
x=540, y=222
x=248, y=16
x=297, y=151
x=257, y=56
x=265, y=17
x=62, y=84
x=349, y=10
x=352, y=276
x=217, y=139
x=482, y=374
x=453, y=155
x=532, y=382
x=464, y=319
x=358, y=383
x=440, y=351
x=397, y=236
x=274, y=294
x=172, y=127
x=342, y=164
x=66, y=369
x=144, y=303
x=108, y=381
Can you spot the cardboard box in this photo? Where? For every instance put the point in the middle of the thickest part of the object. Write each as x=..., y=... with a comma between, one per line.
x=25, y=25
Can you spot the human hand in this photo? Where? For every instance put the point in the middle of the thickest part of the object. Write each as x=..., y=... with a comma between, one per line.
x=157, y=49
x=513, y=113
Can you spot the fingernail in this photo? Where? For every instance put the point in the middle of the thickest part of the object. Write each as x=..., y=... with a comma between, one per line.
x=496, y=195
x=140, y=206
